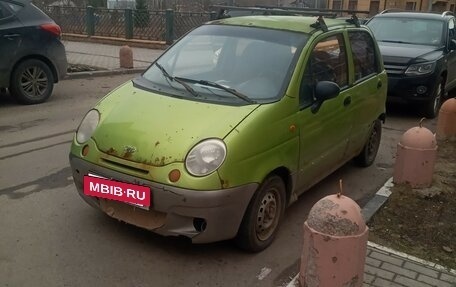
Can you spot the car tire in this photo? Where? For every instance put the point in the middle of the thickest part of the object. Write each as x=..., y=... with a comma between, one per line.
x=263, y=216
x=32, y=82
x=370, y=149
x=431, y=110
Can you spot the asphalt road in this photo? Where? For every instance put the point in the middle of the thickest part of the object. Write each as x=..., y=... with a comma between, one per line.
x=50, y=237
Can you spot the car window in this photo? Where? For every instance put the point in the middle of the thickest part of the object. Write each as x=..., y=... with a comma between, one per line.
x=4, y=13
x=14, y=7
x=364, y=57
x=255, y=62
x=327, y=62
x=403, y=30
x=451, y=30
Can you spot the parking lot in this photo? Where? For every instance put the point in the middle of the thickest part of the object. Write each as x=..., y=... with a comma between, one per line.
x=55, y=239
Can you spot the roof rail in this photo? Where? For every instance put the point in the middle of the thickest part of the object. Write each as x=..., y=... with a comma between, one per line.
x=393, y=10
x=223, y=11
x=446, y=13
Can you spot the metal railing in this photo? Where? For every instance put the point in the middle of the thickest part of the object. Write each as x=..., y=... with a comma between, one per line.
x=126, y=23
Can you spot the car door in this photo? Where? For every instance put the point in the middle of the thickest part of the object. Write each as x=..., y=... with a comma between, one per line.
x=451, y=57
x=324, y=134
x=370, y=87
x=10, y=40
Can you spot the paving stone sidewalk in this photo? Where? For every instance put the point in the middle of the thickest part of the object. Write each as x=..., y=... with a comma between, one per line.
x=385, y=267
x=106, y=56
x=388, y=268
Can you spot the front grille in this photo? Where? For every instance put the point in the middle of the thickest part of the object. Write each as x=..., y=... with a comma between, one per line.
x=393, y=69
x=121, y=165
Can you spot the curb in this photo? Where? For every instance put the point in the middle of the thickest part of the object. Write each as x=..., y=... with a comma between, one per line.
x=103, y=73
x=372, y=206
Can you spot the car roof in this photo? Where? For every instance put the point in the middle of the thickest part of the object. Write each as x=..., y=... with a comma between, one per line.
x=414, y=15
x=289, y=23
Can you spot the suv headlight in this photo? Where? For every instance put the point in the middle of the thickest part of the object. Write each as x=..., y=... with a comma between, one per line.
x=88, y=125
x=205, y=157
x=420, y=69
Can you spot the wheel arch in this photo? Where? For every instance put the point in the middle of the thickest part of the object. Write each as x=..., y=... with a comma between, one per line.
x=36, y=57
x=285, y=174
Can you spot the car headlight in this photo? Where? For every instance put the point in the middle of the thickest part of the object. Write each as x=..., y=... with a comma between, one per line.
x=205, y=157
x=88, y=125
x=420, y=69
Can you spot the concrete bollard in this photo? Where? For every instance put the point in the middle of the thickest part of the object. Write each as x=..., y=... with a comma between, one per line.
x=126, y=57
x=415, y=158
x=446, y=123
x=335, y=243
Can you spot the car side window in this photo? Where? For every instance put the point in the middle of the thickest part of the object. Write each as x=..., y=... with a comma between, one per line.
x=451, y=30
x=327, y=62
x=4, y=13
x=364, y=54
x=15, y=7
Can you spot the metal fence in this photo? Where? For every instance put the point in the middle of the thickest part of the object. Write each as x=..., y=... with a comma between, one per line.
x=126, y=23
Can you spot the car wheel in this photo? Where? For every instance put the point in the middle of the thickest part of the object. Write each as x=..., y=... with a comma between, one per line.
x=370, y=149
x=262, y=218
x=32, y=82
x=433, y=106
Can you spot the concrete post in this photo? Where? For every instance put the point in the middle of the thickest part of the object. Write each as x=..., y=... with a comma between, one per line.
x=335, y=244
x=126, y=57
x=128, y=23
x=169, y=37
x=90, y=20
x=446, y=123
x=415, y=158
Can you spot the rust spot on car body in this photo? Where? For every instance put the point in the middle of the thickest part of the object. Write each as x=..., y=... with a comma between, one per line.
x=111, y=151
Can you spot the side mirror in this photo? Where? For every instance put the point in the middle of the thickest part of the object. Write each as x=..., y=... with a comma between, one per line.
x=324, y=91
x=452, y=45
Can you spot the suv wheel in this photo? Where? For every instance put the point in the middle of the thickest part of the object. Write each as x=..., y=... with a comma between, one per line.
x=370, y=149
x=261, y=220
x=433, y=106
x=32, y=82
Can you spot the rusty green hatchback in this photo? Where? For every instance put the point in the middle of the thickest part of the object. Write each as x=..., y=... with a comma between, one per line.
x=235, y=120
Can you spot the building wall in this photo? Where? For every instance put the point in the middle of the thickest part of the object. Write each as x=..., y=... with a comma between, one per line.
x=371, y=5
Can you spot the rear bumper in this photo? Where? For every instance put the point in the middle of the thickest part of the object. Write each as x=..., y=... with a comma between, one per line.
x=56, y=53
x=174, y=210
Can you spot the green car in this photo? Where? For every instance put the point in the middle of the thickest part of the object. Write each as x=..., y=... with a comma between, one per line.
x=234, y=121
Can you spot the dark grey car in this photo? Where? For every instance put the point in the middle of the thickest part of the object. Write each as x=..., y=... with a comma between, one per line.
x=32, y=57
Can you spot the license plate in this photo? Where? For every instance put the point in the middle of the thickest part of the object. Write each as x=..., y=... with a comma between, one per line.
x=98, y=186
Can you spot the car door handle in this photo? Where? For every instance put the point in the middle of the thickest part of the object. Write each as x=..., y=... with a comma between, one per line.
x=347, y=101
x=11, y=36
x=379, y=84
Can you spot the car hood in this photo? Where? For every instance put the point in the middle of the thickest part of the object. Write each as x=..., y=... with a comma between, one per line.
x=154, y=129
x=407, y=53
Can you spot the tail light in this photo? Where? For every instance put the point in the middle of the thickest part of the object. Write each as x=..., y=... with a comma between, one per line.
x=52, y=28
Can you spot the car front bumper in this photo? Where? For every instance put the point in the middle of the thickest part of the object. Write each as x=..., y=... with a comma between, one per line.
x=174, y=211
x=406, y=88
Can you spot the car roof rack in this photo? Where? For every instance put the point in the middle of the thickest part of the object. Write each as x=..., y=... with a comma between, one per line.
x=272, y=10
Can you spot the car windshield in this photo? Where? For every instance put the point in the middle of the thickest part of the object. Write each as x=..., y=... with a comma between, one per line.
x=407, y=30
x=228, y=64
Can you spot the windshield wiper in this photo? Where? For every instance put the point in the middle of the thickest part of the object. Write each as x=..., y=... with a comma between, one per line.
x=176, y=79
x=394, y=41
x=219, y=86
